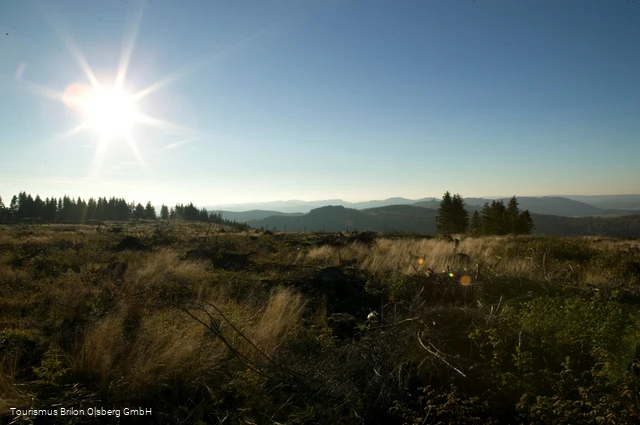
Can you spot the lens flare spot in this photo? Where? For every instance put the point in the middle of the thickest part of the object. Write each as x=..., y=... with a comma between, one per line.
x=451, y=274
x=465, y=280
x=20, y=70
x=77, y=96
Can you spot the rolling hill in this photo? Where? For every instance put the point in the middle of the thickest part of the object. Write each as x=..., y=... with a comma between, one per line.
x=549, y=205
x=245, y=216
x=569, y=206
x=414, y=219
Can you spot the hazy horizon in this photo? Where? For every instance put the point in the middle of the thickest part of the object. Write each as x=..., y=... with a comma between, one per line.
x=247, y=102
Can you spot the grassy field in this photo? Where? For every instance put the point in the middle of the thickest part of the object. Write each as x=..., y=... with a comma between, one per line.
x=207, y=325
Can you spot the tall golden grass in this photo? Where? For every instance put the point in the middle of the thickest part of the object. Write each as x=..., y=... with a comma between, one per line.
x=141, y=347
x=406, y=256
x=416, y=256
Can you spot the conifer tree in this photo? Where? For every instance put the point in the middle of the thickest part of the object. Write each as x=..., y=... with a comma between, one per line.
x=92, y=207
x=444, y=219
x=164, y=212
x=524, y=224
x=204, y=215
x=38, y=207
x=150, y=212
x=459, y=215
x=4, y=213
x=80, y=210
x=512, y=214
x=138, y=212
x=496, y=219
x=475, y=226
x=13, y=207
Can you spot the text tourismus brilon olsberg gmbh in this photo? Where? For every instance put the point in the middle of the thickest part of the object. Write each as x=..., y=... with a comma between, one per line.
x=89, y=411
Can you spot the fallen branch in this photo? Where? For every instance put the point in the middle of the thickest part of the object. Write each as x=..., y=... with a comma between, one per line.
x=439, y=356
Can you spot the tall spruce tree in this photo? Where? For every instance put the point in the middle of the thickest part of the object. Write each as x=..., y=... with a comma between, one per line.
x=150, y=212
x=38, y=207
x=496, y=219
x=81, y=210
x=512, y=214
x=459, y=215
x=475, y=225
x=13, y=208
x=524, y=224
x=204, y=215
x=444, y=219
x=4, y=213
x=92, y=206
x=138, y=212
x=164, y=212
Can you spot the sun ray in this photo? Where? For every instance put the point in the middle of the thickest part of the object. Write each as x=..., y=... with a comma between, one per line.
x=134, y=148
x=64, y=35
x=167, y=126
x=77, y=129
x=170, y=78
x=199, y=62
x=127, y=48
x=98, y=156
x=110, y=110
x=136, y=152
x=42, y=91
x=176, y=144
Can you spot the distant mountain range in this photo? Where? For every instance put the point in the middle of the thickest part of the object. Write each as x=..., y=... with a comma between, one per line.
x=393, y=218
x=606, y=215
x=415, y=219
x=568, y=206
x=553, y=205
x=296, y=206
x=610, y=202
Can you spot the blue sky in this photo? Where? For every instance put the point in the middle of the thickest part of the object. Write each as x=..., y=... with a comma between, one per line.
x=326, y=99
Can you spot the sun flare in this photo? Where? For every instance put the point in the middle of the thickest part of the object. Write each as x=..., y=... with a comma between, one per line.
x=109, y=111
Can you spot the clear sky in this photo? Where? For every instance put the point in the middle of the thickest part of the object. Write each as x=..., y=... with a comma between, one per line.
x=275, y=100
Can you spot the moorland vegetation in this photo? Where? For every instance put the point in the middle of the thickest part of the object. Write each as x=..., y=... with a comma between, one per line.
x=207, y=323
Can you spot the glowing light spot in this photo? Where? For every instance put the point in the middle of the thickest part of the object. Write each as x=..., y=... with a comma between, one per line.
x=465, y=280
x=451, y=274
x=420, y=261
x=111, y=112
x=76, y=96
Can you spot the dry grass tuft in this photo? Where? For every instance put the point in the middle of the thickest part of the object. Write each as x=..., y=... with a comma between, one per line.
x=98, y=351
x=406, y=255
x=165, y=263
x=162, y=277
x=164, y=349
x=281, y=317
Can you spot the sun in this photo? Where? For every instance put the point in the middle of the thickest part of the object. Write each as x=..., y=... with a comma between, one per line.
x=110, y=111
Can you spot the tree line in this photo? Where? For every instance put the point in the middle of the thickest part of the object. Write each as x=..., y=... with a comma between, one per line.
x=24, y=207
x=492, y=219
